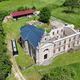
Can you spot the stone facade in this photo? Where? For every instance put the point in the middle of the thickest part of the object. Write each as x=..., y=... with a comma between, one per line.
x=56, y=42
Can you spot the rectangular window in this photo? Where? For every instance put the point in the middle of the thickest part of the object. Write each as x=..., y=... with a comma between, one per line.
x=53, y=33
x=57, y=32
x=64, y=47
x=73, y=44
x=59, y=49
x=54, y=51
x=77, y=42
x=74, y=37
x=45, y=56
x=70, y=39
x=59, y=43
x=61, y=30
x=54, y=45
x=69, y=45
x=79, y=36
x=64, y=41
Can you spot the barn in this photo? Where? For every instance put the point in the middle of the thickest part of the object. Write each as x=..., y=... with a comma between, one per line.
x=22, y=13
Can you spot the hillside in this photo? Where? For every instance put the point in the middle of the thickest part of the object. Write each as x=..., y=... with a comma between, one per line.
x=54, y=5
x=13, y=4
x=12, y=30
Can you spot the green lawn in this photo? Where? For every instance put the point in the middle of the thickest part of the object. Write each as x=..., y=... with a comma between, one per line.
x=61, y=60
x=12, y=30
x=66, y=59
x=23, y=59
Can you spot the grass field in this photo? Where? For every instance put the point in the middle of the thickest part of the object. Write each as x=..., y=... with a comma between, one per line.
x=12, y=30
x=67, y=59
x=13, y=4
x=73, y=18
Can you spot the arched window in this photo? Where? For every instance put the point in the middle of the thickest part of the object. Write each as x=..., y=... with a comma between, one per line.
x=46, y=50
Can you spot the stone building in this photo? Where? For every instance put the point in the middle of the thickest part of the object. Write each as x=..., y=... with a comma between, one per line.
x=44, y=46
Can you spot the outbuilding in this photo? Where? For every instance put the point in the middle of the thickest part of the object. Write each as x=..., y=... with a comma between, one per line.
x=14, y=47
x=22, y=13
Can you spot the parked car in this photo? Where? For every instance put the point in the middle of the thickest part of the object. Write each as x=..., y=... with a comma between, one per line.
x=14, y=47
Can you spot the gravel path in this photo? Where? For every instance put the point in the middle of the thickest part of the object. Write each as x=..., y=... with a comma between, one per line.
x=15, y=68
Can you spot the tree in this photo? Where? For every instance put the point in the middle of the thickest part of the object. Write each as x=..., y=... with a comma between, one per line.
x=71, y=4
x=5, y=64
x=45, y=15
x=33, y=7
x=20, y=8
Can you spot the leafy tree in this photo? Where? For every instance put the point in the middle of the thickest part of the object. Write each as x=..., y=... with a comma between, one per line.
x=5, y=64
x=33, y=7
x=45, y=15
x=20, y=8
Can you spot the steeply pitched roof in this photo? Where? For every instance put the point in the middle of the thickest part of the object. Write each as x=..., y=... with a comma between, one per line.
x=32, y=34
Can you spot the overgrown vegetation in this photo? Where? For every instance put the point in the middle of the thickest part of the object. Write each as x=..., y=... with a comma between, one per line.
x=60, y=73
x=5, y=64
x=22, y=8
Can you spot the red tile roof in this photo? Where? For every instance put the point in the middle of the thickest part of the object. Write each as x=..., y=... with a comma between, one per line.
x=22, y=13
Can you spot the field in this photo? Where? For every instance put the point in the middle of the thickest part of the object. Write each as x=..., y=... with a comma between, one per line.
x=12, y=30
x=57, y=11
x=13, y=4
